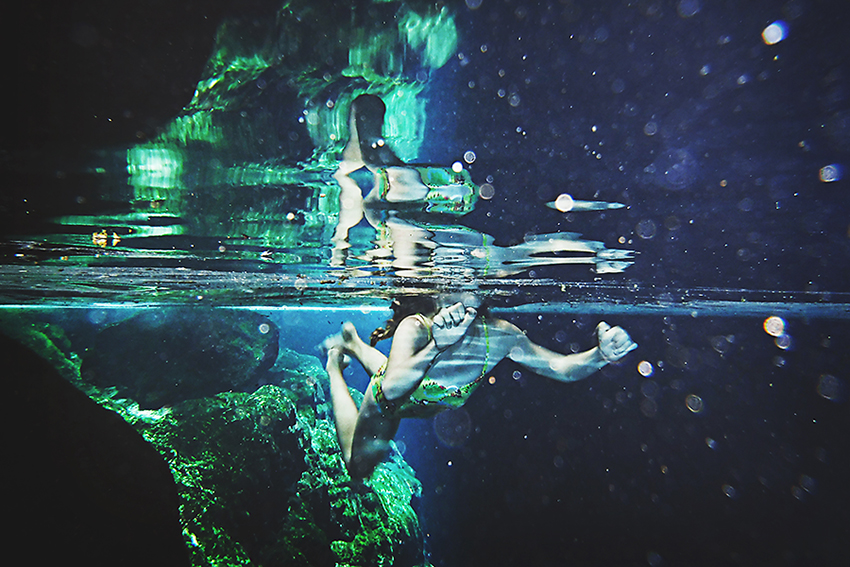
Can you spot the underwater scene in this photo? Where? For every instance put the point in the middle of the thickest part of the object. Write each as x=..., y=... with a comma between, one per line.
x=415, y=283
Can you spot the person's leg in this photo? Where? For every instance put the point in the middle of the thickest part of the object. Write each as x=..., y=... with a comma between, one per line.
x=344, y=408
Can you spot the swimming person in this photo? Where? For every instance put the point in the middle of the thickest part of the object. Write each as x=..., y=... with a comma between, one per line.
x=441, y=350
x=430, y=189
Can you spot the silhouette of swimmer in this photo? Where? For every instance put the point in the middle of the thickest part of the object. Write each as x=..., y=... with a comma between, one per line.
x=431, y=189
x=442, y=349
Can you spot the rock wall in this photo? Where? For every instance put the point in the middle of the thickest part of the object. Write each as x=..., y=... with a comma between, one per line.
x=258, y=473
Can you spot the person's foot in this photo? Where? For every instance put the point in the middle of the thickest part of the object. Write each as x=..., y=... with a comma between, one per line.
x=350, y=339
x=346, y=340
x=337, y=359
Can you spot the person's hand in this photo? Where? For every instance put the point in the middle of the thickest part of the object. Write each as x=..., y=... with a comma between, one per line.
x=451, y=323
x=614, y=342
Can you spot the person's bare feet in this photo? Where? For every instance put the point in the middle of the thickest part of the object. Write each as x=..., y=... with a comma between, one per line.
x=337, y=359
x=346, y=341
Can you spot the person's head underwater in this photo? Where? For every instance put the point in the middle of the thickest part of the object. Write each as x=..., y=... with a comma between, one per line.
x=427, y=305
x=367, y=118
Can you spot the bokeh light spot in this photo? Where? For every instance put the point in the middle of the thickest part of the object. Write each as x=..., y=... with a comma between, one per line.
x=688, y=8
x=775, y=32
x=831, y=388
x=646, y=229
x=694, y=403
x=830, y=173
x=564, y=202
x=774, y=326
x=453, y=427
x=783, y=341
x=486, y=191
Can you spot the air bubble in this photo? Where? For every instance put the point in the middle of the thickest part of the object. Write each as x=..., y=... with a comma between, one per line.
x=645, y=369
x=618, y=86
x=688, y=8
x=486, y=191
x=774, y=326
x=469, y=156
x=564, y=202
x=775, y=32
x=694, y=403
x=783, y=341
x=830, y=173
x=649, y=388
x=646, y=229
x=648, y=407
x=831, y=388
x=808, y=484
x=264, y=328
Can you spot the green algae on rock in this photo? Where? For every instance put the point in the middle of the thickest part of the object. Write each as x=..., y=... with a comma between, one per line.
x=259, y=474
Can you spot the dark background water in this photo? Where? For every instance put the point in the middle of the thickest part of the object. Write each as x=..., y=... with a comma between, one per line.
x=677, y=109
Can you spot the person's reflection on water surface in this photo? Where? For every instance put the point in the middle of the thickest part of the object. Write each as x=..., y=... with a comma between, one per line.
x=408, y=205
x=430, y=189
x=441, y=350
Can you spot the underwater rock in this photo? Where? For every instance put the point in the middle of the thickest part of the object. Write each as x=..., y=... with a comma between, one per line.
x=81, y=485
x=260, y=478
x=164, y=357
x=262, y=482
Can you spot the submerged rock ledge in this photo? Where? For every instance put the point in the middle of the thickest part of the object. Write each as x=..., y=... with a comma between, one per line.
x=259, y=474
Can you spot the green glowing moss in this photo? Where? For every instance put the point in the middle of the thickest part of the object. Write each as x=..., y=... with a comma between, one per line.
x=195, y=127
x=46, y=340
x=259, y=475
x=437, y=33
x=322, y=58
x=153, y=167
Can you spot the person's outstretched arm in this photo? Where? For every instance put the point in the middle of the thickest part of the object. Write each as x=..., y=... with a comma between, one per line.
x=614, y=344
